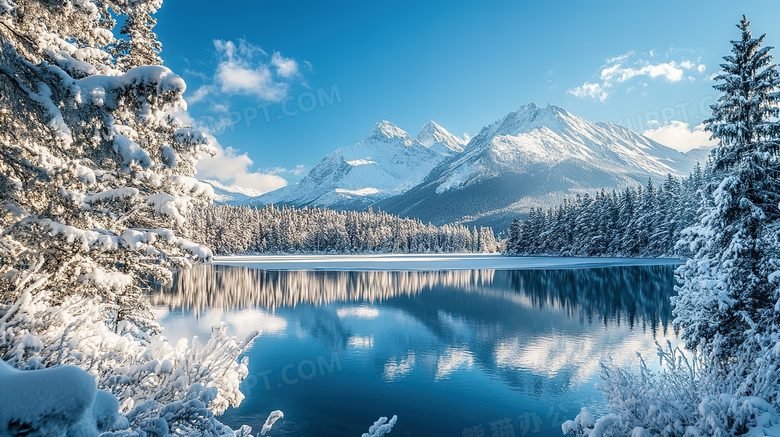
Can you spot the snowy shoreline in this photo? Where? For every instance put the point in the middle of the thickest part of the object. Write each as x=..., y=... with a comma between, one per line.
x=429, y=262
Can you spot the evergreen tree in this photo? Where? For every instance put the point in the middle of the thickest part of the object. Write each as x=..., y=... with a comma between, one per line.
x=93, y=167
x=639, y=222
x=728, y=301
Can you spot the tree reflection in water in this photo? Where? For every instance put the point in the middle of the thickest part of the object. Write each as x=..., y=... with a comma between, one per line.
x=609, y=295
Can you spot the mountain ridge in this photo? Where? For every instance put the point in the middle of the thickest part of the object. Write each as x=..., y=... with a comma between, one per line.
x=386, y=163
x=533, y=156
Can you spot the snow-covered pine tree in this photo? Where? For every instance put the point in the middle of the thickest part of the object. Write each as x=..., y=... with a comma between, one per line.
x=241, y=229
x=96, y=170
x=638, y=222
x=513, y=242
x=729, y=294
x=96, y=177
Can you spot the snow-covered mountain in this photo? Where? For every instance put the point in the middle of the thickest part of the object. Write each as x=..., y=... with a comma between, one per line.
x=387, y=163
x=439, y=140
x=700, y=154
x=231, y=194
x=533, y=157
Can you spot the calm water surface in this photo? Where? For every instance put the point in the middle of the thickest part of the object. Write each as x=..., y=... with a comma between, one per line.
x=452, y=353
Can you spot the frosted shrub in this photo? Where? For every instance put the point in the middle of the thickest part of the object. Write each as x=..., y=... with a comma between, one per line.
x=152, y=373
x=682, y=399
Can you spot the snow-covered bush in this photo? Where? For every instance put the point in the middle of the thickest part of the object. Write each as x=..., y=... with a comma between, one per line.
x=685, y=398
x=381, y=427
x=35, y=334
x=161, y=385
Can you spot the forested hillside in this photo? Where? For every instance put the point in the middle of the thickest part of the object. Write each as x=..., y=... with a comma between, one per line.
x=242, y=229
x=640, y=222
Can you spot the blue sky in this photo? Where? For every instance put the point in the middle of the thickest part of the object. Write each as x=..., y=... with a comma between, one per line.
x=281, y=83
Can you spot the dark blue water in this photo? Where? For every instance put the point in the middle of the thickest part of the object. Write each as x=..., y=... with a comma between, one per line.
x=463, y=353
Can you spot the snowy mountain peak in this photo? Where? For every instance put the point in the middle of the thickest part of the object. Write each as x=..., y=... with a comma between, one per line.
x=550, y=108
x=385, y=130
x=430, y=133
x=532, y=110
x=531, y=117
x=386, y=163
x=553, y=137
x=533, y=155
x=435, y=137
x=530, y=106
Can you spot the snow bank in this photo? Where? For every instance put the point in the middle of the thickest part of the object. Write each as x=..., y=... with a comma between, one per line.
x=56, y=401
x=415, y=262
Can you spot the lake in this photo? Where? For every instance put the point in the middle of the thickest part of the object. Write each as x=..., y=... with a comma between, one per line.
x=452, y=353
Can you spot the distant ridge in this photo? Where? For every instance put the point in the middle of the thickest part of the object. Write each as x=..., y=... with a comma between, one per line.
x=533, y=156
x=388, y=162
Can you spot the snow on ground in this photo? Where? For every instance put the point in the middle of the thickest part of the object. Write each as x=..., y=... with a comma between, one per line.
x=428, y=262
x=57, y=401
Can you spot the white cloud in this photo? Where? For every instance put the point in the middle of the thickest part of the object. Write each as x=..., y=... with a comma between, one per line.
x=297, y=171
x=360, y=312
x=679, y=135
x=228, y=166
x=624, y=68
x=219, y=107
x=232, y=168
x=199, y=94
x=590, y=90
x=671, y=71
x=245, y=69
x=238, y=72
x=623, y=57
x=285, y=67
